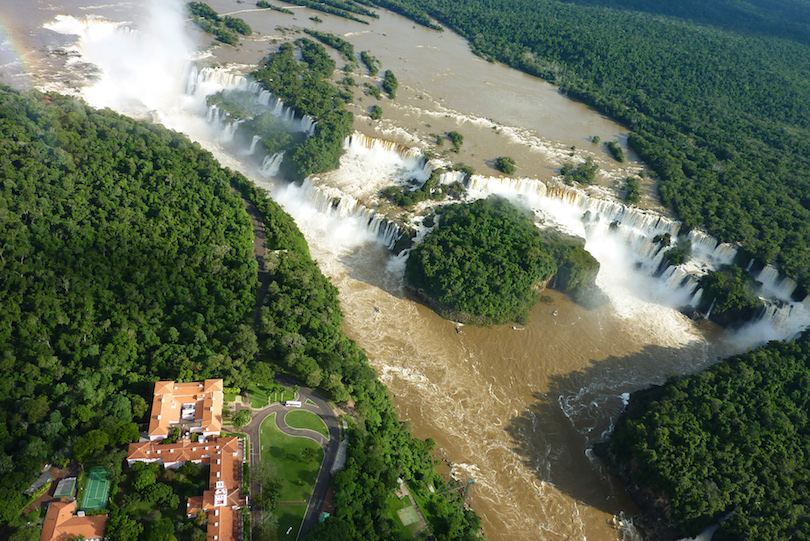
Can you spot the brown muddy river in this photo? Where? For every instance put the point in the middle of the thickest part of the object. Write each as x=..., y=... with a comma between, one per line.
x=515, y=409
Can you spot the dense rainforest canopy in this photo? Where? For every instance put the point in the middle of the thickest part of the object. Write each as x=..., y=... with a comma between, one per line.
x=483, y=260
x=126, y=258
x=300, y=333
x=715, y=94
x=733, y=440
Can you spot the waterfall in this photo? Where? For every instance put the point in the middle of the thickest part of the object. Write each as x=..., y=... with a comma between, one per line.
x=707, y=247
x=788, y=318
x=373, y=143
x=271, y=164
x=773, y=285
x=229, y=130
x=252, y=148
x=371, y=164
x=750, y=264
x=575, y=212
x=451, y=177
x=332, y=202
x=412, y=158
x=696, y=298
x=711, y=307
x=206, y=81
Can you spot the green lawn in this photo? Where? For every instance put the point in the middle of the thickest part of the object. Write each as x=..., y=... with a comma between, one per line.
x=289, y=516
x=260, y=397
x=286, y=453
x=420, y=499
x=394, y=504
x=306, y=419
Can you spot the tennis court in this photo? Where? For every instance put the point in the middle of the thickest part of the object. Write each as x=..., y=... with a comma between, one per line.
x=97, y=490
x=65, y=488
x=408, y=516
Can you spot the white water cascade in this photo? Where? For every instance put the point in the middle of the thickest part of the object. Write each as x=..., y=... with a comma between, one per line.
x=272, y=164
x=253, y=142
x=774, y=286
x=610, y=228
x=206, y=81
x=332, y=203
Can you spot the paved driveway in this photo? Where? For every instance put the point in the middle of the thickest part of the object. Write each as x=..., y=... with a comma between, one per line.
x=330, y=446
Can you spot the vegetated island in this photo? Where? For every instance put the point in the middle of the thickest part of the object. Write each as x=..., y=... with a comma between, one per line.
x=128, y=259
x=727, y=445
x=485, y=261
x=713, y=98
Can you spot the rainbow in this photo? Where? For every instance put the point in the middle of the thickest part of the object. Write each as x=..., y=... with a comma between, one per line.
x=12, y=50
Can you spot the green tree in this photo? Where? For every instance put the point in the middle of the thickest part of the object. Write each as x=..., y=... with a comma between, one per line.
x=241, y=418
x=390, y=84
x=457, y=139
x=309, y=454
x=616, y=151
x=505, y=164
x=483, y=261
x=89, y=444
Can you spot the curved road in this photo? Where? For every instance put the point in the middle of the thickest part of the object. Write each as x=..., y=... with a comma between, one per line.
x=330, y=446
x=322, y=409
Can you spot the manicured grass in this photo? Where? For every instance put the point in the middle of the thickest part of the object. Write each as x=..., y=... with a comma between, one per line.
x=290, y=516
x=311, y=403
x=229, y=397
x=260, y=397
x=306, y=419
x=420, y=499
x=394, y=504
x=286, y=453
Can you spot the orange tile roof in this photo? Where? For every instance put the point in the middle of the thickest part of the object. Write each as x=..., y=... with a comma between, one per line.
x=182, y=451
x=221, y=525
x=61, y=524
x=169, y=398
x=221, y=498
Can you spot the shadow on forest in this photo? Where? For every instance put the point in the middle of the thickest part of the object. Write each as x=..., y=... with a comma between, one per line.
x=551, y=436
x=781, y=19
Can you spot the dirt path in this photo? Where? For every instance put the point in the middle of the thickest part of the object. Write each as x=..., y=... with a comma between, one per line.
x=259, y=251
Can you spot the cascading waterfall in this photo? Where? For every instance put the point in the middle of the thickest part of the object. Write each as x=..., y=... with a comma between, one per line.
x=229, y=130
x=707, y=247
x=451, y=177
x=572, y=210
x=575, y=212
x=278, y=109
x=771, y=283
x=333, y=202
x=412, y=159
x=272, y=164
x=253, y=142
x=711, y=307
x=207, y=81
x=594, y=219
